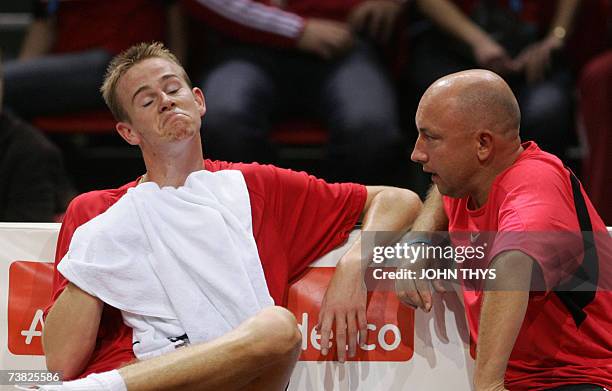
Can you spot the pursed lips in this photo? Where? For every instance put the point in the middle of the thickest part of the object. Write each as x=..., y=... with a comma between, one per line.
x=169, y=116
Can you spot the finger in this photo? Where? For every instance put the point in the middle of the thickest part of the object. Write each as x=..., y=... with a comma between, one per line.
x=340, y=43
x=410, y=296
x=352, y=333
x=362, y=323
x=439, y=286
x=341, y=337
x=424, y=292
x=325, y=323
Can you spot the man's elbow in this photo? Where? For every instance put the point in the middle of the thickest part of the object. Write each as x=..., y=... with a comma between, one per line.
x=403, y=201
x=67, y=356
x=68, y=368
x=62, y=360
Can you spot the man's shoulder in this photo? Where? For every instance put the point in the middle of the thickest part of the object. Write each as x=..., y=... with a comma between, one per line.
x=256, y=175
x=249, y=168
x=536, y=171
x=88, y=205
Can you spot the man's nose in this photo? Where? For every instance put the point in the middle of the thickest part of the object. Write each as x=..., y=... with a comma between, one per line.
x=166, y=103
x=418, y=156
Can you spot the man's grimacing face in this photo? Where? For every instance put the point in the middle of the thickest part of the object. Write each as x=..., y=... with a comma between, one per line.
x=444, y=147
x=159, y=103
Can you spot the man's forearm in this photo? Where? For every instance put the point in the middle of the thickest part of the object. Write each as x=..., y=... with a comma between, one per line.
x=38, y=40
x=176, y=32
x=70, y=331
x=501, y=317
x=450, y=18
x=432, y=217
x=389, y=209
x=564, y=17
x=386, y=209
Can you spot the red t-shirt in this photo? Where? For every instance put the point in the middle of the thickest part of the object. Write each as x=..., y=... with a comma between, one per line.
x=535, y=195
x=296, y=219
x=112, y=25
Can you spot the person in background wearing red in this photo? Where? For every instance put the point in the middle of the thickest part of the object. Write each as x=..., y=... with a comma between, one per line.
x=69, y=44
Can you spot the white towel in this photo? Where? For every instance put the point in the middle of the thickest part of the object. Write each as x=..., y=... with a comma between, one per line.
x=174, y=260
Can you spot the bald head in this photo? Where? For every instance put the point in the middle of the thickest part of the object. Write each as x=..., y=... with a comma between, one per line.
x=477, y=98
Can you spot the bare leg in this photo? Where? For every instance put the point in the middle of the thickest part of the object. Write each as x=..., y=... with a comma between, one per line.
x=259, y=354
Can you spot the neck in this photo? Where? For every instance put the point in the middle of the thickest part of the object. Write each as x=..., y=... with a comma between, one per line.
x=490, y=172
x=172, y=167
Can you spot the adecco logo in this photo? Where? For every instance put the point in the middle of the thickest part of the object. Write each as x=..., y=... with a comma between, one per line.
x=390, y=324
x=30, y=288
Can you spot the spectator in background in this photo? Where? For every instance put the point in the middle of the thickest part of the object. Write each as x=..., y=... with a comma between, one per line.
x=69, y=44
x=595, y=88
x=33, y=185
x=303, y=58
x=525, y=42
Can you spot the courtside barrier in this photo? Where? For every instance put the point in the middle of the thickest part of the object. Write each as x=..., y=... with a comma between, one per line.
x=404, y=350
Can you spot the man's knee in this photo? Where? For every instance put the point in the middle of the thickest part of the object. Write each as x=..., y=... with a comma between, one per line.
x=280, y=331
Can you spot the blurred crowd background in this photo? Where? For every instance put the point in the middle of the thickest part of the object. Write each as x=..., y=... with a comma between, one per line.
x=327, y=86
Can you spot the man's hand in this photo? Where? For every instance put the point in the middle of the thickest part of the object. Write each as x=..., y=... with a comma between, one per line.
x=491, y=55
x=325, y=38
x=416, y=292
x=535, y=59
x=376, y=18
x=386, y=209
x=344, y=302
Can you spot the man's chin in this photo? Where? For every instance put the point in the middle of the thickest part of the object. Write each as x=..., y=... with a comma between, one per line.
x=179, y=133
x=182, y=135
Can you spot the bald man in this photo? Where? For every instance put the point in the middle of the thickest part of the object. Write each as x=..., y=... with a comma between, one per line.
x=486, y=180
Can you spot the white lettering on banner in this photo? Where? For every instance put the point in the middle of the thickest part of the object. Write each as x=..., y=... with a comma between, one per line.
x=314, y=336
x=32, y=332
x=396, y=334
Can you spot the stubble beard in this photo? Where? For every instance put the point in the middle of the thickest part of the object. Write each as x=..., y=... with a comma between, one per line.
x=178, y=129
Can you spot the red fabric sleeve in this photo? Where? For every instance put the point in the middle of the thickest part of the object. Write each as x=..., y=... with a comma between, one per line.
x=538, y=218
x=75, y=216
x=313, y=216
x=249, y=21
x=114, y=341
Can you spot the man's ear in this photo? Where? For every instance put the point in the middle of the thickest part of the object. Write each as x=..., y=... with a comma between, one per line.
x=128, y=133
x=485, y=144
x=200, y=101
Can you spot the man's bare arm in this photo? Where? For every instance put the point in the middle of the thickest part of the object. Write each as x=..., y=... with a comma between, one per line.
x=450, y=18
x=536, y=58
x=386, y=209
x=177, y=35
x=432, y=217
x=415, y=292
x=502, y=313
x=70, y=331
x=38, y=40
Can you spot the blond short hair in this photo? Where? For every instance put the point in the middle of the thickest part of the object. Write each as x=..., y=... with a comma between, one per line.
x=121, y=63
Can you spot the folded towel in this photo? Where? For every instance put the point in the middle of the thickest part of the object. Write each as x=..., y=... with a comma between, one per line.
x=174, y=260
